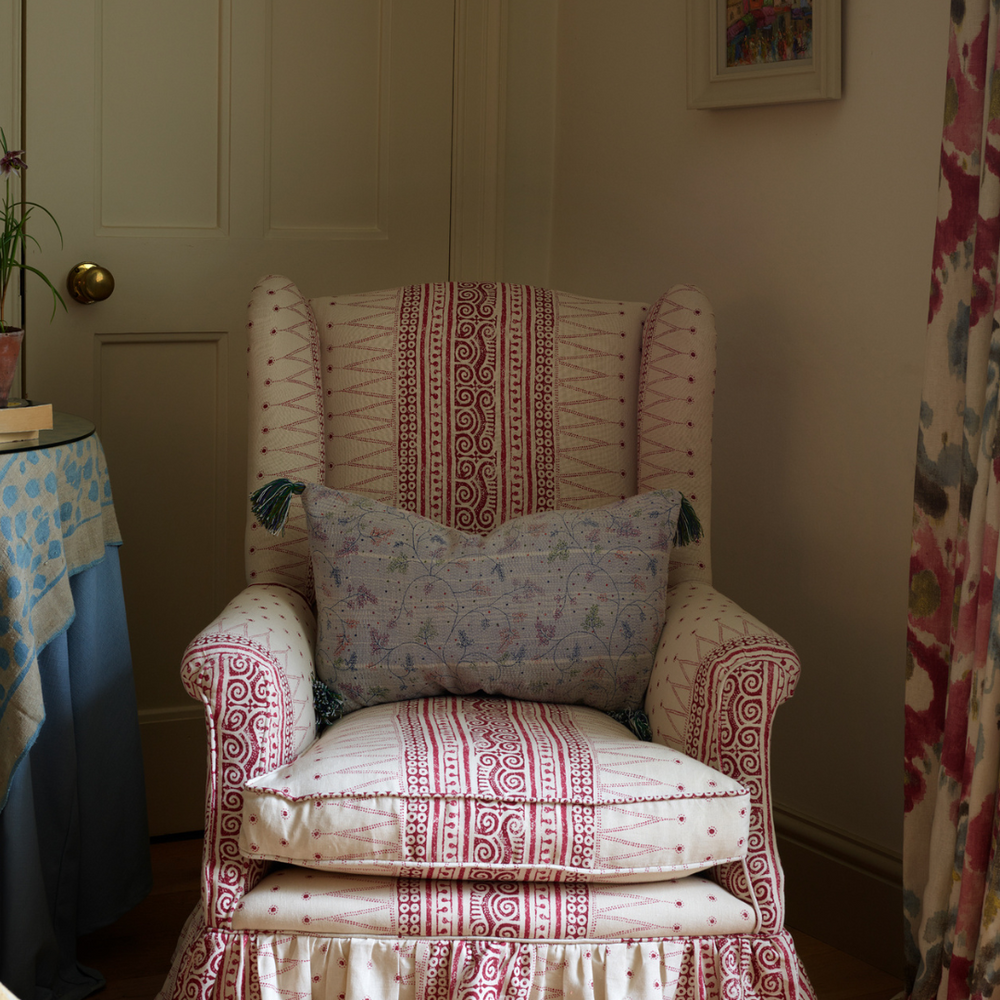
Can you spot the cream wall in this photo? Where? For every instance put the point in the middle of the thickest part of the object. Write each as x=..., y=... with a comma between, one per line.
x=529, y=139
x=810, y=227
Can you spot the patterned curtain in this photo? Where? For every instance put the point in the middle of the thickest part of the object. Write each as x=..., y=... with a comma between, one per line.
x=950, y=868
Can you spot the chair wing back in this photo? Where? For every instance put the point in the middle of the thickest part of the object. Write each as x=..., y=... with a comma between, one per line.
x=471, y=403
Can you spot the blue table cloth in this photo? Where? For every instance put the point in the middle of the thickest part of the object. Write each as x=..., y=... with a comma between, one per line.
x=74, y=845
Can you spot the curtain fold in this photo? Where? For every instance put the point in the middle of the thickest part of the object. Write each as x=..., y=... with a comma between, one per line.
x=952, y=743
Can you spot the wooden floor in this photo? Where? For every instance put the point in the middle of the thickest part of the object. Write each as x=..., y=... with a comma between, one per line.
x=134, y=954
x=836, y=976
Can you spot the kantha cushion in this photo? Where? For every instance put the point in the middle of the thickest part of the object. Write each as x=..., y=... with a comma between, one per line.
x=563, y=606
x=494, y=788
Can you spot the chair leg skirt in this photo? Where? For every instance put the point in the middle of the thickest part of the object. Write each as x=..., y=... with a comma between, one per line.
x=212, y=964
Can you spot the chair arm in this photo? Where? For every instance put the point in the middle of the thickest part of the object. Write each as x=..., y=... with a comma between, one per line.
x=718, y=679
x=253, y=669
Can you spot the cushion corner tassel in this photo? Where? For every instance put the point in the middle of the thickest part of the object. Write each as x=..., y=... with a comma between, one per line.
x=270, y=503
x=689, y=528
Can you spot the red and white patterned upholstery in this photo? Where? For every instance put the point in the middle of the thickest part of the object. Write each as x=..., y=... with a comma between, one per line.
x=493, y=788
x=522, y=399
x=292, y=899
x=527, y=401
x=515, y=410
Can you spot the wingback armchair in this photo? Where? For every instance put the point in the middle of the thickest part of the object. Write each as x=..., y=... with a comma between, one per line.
x=474, y=405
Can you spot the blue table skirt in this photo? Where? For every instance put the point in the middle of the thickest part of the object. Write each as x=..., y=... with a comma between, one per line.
x=74, y=844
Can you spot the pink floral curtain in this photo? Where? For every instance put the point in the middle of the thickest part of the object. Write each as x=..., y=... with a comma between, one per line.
x=950, y=866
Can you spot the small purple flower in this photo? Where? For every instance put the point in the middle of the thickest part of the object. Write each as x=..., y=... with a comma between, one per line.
x=13, y=161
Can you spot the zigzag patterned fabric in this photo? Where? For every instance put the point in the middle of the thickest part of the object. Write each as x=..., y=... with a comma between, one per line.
x=472, y=403
x=494, y=788
x=529, y=403
x=292, y=899
x=691, y=968
x=675, y=414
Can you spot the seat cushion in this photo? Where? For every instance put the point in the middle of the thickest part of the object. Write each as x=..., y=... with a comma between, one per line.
x=333, y=904
x=563, y=606
x=493, y=788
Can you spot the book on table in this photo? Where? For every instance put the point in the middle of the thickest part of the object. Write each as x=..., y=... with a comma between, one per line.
x=23, y=422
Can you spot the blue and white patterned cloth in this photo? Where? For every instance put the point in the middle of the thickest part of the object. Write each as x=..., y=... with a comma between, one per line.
x=56, y=515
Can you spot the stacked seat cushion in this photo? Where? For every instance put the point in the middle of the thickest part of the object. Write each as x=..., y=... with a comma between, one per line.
x=335, y=905
x=486, y=788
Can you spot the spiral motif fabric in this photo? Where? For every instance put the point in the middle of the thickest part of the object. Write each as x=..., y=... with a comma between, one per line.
x=494, y=789
x=343, y=905
x=482, y=401
x=751, y=968
x=472, y=403
x=326, y=404
x=278, y=965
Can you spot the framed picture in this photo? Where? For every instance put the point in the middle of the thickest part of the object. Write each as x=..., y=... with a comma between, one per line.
x=743, y=52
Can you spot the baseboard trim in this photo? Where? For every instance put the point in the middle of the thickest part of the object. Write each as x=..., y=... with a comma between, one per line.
x=842, y=890
x=174, y=713
x=838, y=845
x=173, y=751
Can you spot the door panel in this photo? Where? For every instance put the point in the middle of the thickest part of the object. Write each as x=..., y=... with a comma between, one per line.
x=191, y=148
x=145, y=179
x=183, y=570
x=328, y=182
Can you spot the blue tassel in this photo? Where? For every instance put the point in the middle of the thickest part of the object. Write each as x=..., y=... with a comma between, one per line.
x=689, y=528
x=270, y=503
x=328, y=703
x=636, y=720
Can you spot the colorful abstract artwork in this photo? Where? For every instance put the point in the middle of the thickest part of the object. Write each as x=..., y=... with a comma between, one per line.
x=760, y=32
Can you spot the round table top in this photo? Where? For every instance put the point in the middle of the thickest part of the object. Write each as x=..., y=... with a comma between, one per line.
x=65, y=428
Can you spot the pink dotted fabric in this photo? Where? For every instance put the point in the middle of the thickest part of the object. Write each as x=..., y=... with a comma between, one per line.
x=718, y=679
x=473, y=403
x=494, y=788
x=333, y=905
x=719, y=674
x=362, y=968
x=676, y=397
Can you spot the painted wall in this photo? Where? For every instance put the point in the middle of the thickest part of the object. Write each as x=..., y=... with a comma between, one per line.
x=810, y=228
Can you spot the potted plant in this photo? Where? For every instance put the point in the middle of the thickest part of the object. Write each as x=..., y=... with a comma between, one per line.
x=16, y=213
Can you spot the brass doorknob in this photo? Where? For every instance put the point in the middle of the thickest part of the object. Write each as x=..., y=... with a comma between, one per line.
x=89, y=282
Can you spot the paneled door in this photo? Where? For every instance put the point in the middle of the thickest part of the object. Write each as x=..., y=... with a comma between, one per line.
x=191, y=147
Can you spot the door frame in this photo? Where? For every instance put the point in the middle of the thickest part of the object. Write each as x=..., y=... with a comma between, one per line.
x=478, y=140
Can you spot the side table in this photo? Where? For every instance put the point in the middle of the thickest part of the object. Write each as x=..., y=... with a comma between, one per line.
x=74, y=843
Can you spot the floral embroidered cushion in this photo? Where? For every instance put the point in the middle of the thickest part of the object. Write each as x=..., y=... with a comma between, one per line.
x=562, y=606
x=494, y=788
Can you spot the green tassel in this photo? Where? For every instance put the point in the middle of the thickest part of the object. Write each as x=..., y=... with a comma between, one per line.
x=636, y=720
x=328, y=703
x=689, y=528
x=270, y=503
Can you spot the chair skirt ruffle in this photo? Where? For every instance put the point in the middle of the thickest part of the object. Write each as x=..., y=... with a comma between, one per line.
x=214, y=964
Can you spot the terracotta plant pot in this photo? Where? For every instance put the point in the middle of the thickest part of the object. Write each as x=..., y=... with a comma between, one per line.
x=10, y=353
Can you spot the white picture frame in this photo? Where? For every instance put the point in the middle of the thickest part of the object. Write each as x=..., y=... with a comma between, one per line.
x=711, y=83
